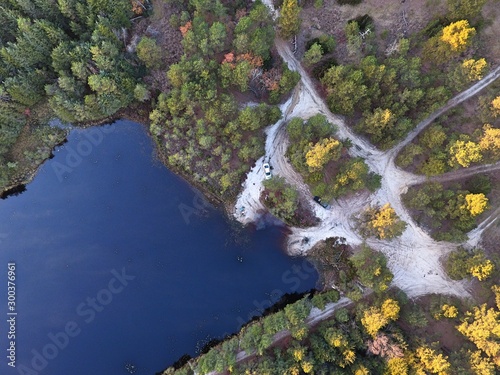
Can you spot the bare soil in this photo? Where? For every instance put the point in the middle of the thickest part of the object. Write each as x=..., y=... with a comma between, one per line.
x=392, y=19
x=167, y=37
x=488, y=45
x=443, y=330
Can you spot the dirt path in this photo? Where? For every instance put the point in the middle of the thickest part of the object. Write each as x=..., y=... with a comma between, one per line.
x=471, y=91
x=414, y=258
x=466, y=172
x=475, y=234
x=316, y=316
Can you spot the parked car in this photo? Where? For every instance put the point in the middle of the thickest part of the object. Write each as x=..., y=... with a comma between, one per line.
x=320, y=202
x=267, y=171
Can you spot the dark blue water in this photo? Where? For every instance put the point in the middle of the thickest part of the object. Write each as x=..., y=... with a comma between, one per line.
x=119, y=261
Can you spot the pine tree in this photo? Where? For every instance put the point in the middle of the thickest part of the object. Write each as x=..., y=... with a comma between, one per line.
x=289, y=19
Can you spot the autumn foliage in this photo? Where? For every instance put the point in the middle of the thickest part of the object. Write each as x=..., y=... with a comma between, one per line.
x=458, y=35
x=322, y=152
x=381, y=222
x=186, y=27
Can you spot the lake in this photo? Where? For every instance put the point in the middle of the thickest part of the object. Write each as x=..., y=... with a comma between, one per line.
x=122, y=267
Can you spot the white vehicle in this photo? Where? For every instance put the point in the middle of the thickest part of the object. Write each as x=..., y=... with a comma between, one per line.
x=267, y=171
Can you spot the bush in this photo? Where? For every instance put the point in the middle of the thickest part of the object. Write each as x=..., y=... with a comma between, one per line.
x=479, y=184
x=349, y=2
x=332, y=295
x=342, y=315
x=363, y=22
x=327, y=43
x=313, y=54
x=320, y=69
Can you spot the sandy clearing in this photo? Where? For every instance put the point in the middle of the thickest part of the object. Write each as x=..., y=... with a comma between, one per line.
x=414, y=258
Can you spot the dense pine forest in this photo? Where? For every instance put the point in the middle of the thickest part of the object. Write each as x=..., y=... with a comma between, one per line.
x=63, y=59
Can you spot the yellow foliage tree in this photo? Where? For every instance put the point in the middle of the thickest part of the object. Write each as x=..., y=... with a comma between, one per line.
x=476, y=204
x=432, y=362
x=397, y=366
x=474, y=69
x=384, y=223
x=335, y=338
x=482, y=270
x=361, y=370
x=298, y=354
x=495, y=106
x=481, y=365
x=373, y=320
x=464, y=153
x=449, y=311
x=458, y=35
x=322, y=152
x=496, y=290
x=482, y=327
x=348, y=358
x=490, y=141
x=390, y=309
x=307, y=367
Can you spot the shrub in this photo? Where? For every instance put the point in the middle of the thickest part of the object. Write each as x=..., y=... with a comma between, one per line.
x=349, y=2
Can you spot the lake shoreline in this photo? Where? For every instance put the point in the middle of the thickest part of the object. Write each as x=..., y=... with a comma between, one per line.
x=139, y=114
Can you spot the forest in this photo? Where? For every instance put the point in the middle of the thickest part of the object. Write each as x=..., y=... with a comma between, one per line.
x=62, y=59
x=207, y=132
x=207, y=101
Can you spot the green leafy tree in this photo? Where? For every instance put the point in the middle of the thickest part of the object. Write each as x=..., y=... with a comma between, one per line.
x=379, y=124
x=371, y=268
x=282, y=200
x=460, y=9
x=354, y=40
x=345, y=88
x=314, y=54
x=351, y=177
x=149, y=52
x=433, y=166
x=433, y=137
